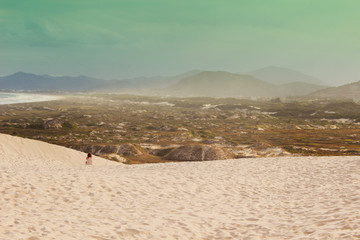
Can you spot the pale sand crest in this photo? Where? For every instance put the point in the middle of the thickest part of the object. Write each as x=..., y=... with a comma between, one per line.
x=47, y=193
x=24, y=151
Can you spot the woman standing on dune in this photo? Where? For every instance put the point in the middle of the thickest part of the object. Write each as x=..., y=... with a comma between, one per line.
x=89, y=159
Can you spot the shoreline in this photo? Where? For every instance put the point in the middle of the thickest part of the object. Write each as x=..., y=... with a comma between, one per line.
x=16, y=98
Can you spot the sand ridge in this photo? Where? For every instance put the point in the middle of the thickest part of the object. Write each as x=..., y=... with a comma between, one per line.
x=267, y=198
x=33, y=152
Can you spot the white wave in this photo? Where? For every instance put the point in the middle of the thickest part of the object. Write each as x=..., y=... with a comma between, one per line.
x=12, y=98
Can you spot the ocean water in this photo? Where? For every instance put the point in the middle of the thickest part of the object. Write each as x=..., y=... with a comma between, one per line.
x=12, y=98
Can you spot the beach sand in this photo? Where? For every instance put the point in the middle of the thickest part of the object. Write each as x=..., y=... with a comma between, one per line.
x=48, y=193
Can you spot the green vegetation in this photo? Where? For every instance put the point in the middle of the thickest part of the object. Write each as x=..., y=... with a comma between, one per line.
x=299, y=127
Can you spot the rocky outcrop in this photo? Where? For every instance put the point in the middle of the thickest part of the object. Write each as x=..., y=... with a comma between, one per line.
x=259, y=149
x=127, y=150
x=46, y=124
x=108, y=149
x=53, y=124
x=114, y=157
x=198, y=152
x=161, y=152
x=259, y=146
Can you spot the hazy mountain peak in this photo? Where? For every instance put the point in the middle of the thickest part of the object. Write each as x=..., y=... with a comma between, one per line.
x=219, y=74
x=221, y=84
x=213, y=73
x=17, y=74
x=279, y=75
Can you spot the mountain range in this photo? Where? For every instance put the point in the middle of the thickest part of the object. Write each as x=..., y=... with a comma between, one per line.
x=265, y=82
x=33, y=82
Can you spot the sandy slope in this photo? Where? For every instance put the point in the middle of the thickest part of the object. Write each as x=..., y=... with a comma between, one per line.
x=23, y=151
x=269, y=198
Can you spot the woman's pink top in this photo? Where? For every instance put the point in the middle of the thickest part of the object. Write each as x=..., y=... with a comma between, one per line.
x=89, y=161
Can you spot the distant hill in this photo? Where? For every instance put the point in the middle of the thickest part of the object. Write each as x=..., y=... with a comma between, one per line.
x=144, y=84
x=278, y=75
x=161, y=81
x=351, y=91
x=33, y=82
x=225, y=84
x=298, y=88
x=221, y=84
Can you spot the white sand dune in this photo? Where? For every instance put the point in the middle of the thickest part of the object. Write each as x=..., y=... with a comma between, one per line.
x=24, y=151
x=268, y=198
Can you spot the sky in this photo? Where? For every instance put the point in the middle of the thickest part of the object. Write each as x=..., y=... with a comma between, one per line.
x=116, y=39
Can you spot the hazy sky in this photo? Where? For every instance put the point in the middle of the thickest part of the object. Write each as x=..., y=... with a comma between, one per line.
x=129, y=38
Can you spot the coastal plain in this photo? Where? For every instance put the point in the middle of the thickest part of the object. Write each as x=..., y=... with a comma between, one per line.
x=148, y=129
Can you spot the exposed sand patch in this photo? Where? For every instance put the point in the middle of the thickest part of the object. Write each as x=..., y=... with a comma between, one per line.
x=268, y=198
